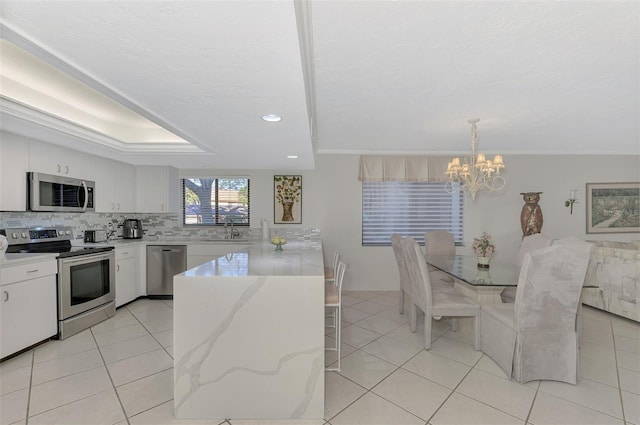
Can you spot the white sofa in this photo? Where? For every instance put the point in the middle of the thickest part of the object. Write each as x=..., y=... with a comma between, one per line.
x=615, y=269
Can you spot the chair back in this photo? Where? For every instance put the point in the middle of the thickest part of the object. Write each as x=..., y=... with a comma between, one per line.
x=340, y=269
x=549, y=289
x=531, y=243
x=396, y=243
x=418, y=273
x=439, y=242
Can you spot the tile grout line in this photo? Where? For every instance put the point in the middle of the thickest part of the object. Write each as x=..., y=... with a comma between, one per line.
x=533, y=402
x=615, y=354
x=115, y=390
x=33, y=355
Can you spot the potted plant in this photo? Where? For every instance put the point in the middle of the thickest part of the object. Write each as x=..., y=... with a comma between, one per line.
x=484, y=248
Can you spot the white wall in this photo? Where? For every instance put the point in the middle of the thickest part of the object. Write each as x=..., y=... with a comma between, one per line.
x=336, y=198
x=332, y=201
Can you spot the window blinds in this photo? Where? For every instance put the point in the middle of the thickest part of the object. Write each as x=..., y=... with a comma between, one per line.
x=410, y=209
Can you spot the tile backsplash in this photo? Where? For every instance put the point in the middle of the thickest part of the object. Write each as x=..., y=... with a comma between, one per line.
x=156, y=226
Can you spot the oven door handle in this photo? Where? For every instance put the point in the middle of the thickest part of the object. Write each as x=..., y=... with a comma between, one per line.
x=86, y=195
x=88, y=258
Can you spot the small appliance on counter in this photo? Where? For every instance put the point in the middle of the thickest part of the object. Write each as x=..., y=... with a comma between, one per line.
x=132, y=229
x=94, y=236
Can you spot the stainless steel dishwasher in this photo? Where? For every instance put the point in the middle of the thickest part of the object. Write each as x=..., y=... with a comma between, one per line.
x=164, y=262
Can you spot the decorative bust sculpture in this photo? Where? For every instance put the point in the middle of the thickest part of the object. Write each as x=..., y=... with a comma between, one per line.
x=531, y=214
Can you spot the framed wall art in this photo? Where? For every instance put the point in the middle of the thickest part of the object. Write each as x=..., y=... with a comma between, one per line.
x=613, y=207
x=287, y=202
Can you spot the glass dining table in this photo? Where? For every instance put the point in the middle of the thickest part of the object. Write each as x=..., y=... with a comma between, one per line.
x=481, y=284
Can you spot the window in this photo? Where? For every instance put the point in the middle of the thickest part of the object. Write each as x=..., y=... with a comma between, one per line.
x=211, y=201
x=410, y=209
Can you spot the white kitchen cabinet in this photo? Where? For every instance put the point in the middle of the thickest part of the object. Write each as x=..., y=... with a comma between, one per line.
x=14, y=164
x=52, y=159
x=126, y=274
x=115, y=182
x=28, y=305
x=198, y=254
x=157, y=189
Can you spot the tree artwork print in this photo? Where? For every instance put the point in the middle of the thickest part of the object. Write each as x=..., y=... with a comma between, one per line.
x=287, y=199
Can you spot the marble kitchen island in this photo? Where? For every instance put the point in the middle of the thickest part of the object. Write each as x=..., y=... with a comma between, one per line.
x=249, y=335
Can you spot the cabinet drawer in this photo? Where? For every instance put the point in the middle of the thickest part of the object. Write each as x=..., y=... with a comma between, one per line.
x=28, y=271
x=122, y=253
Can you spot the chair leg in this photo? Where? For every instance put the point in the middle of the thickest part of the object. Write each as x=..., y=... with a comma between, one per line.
x=427, y=331
x=401, y=301
x=338, y=341
x=339, y=335
x=413, y=317
x=454, y=324
x=476, y=338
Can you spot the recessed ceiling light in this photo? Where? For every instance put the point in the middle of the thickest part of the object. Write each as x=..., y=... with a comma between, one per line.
x=292, y=156
x=272, y=118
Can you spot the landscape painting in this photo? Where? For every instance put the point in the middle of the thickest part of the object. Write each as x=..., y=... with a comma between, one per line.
x=613, y=207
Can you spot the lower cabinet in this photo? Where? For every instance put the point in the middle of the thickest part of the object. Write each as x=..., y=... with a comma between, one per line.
x=28, y=305
x=126, y=274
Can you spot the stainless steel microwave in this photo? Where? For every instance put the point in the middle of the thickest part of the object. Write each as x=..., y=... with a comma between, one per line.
x=49, y=192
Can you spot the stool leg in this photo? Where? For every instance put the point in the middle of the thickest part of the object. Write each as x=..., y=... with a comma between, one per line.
x=339, y=333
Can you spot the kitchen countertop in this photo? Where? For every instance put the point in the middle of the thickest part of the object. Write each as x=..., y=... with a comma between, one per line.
x=261, y=259
x=128, y=242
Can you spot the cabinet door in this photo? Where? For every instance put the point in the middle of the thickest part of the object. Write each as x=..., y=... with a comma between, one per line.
x=127, y=274
x=115, y=182
x=125, y=188
x=52, y=159
x=101, y=172
x=14, y=164
x=27, y=313
x=157, y=189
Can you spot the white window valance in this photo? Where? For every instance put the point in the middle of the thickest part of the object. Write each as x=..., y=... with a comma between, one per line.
x=414, y=168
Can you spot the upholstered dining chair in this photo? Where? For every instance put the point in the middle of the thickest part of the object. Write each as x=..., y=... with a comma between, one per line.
x=396, y=244
x=434, y=304
x=529, y=243
x=439, y=242
x=535, y=337
x=333, y=301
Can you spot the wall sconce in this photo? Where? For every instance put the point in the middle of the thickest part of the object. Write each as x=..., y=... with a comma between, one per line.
x=572, y=200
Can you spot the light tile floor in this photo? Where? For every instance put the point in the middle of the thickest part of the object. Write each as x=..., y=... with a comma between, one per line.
x=120, y=372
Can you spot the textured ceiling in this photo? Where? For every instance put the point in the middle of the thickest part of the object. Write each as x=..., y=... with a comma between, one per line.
x=394, y=77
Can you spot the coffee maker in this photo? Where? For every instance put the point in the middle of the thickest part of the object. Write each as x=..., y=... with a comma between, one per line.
x=132, y=229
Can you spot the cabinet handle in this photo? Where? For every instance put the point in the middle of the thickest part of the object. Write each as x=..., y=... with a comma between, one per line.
x=118, y=206
x=66, y=168
x=125, y=253
x=113, y=206
x=5, y=296
x=117, y=267
x=32, y=271
x=59, y=168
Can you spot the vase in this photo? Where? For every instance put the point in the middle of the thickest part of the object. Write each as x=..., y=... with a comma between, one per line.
x=279, y=247
x=287, y=211
x=483, y=262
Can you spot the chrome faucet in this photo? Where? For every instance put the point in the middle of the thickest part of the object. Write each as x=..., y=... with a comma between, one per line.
x=230, y=234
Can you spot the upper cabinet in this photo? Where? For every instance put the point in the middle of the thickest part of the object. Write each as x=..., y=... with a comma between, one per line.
x=14, y=164
x=157, y=189
x=52, y=159
x=115, y=185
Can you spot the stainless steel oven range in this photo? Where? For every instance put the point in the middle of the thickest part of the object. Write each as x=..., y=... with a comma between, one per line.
x=86, y=275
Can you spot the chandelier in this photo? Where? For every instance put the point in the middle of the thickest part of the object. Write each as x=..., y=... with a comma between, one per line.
x=475, y=172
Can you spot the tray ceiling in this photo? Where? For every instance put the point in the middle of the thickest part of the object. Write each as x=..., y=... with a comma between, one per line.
x=346, y=76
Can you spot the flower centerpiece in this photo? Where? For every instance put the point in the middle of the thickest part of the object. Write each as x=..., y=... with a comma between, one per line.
x=483, y=247
x=278, y=241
